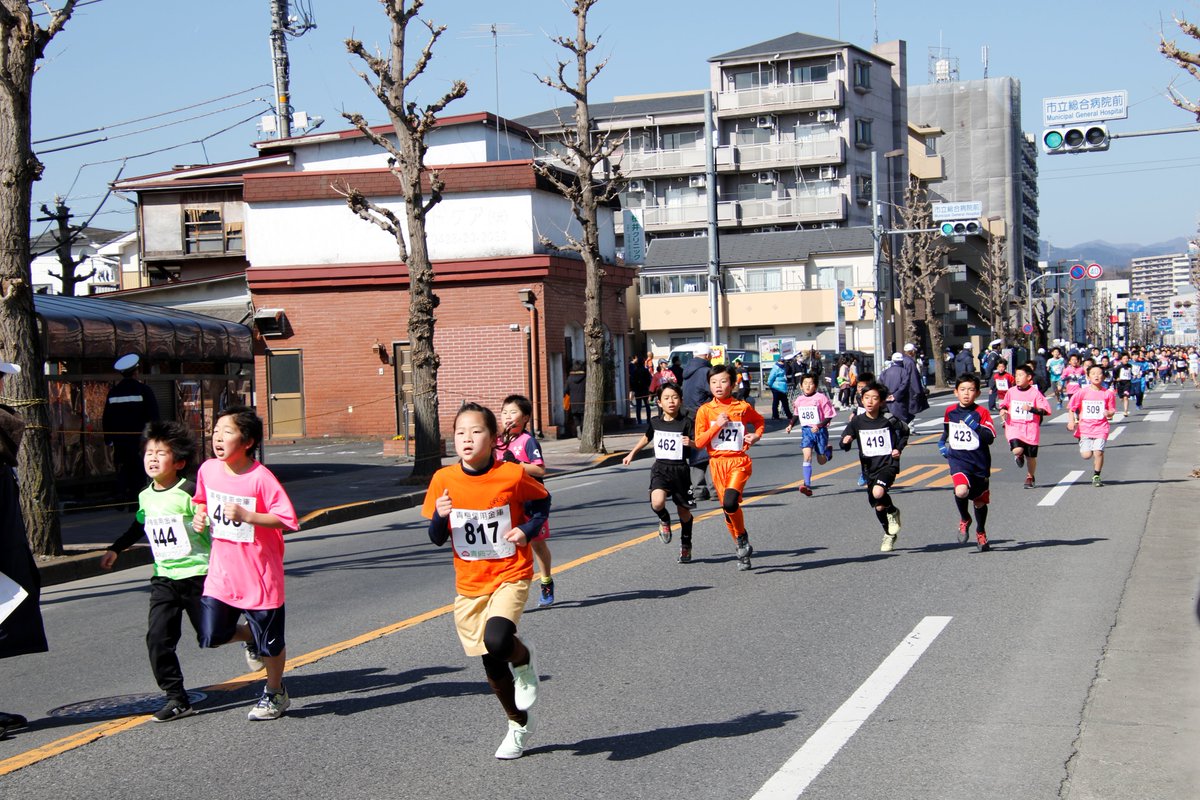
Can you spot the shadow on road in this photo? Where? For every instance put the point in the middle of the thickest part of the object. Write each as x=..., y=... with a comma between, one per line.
x=621, y=597
x=629, y=746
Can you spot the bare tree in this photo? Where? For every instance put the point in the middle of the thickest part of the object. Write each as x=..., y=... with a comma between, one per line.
x=1043, y=311
x=412, y=124
x=64, y=237
x=586, y=153
x=1189, y=62
x=22, y=45
x=919, y=270
x=995, y=288
x=1070, y=309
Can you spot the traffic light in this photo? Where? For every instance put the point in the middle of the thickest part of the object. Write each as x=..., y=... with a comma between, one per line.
x=960, y=227
x=1075, y=139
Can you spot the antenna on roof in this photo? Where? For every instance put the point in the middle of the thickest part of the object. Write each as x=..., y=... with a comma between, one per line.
x=875, y=18
x=494, y=31
x=984, y=56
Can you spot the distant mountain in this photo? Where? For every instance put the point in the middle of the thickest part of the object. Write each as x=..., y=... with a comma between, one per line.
x=1108, y=254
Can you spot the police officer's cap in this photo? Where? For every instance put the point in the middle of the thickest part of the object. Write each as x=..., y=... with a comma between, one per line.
x=127, y=362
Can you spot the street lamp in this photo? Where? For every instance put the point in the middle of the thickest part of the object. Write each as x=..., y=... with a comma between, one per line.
x=1029, y=300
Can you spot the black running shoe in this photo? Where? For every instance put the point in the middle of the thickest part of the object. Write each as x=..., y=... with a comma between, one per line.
x=174, y=709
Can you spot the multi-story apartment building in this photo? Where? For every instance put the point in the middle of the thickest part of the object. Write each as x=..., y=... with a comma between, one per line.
x=1157, y=279
x=796, y=121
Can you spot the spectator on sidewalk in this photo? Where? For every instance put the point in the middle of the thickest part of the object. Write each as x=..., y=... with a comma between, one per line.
x=777, y=382
x=576, y=391
x=964, y=362
x=21, y=632
x=639, y=389
x=696, y=394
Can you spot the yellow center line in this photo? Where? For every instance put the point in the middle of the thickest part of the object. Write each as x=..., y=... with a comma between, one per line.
x=113, y=727
x=914, y=475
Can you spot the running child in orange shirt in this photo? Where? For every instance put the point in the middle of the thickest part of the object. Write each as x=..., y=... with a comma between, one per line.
x=490, y=511
x=721, y=428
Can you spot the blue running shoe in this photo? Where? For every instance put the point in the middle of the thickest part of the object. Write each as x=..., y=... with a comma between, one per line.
x=862, y=479
x=547, y=597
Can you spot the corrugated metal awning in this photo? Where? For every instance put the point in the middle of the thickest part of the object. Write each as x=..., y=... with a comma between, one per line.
x=88, y=327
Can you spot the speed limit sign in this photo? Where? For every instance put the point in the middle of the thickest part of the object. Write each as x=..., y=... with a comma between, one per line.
x=1094, y=271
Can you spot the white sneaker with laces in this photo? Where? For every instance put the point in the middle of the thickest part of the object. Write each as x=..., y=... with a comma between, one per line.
x=514, y=742
x=525, y=682
x=270, y=706
x=253, y=658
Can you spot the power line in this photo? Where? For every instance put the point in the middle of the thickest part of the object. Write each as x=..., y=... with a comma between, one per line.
x=151, y=116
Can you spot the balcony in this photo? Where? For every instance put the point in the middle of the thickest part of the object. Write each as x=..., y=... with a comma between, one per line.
x=786, y=210
x=666, y=162
x=798, y=152
x=740, y=309
x=793, y=96
x=730, y=213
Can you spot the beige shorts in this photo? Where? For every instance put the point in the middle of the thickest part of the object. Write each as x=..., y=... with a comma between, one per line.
x=472, y=613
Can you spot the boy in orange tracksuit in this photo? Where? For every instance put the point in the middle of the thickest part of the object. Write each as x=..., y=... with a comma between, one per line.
x=721, y=427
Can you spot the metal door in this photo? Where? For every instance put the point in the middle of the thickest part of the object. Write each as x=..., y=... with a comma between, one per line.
x=285, y=388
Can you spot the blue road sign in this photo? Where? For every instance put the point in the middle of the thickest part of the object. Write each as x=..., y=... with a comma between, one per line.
x=1164, y=324
x=1136, y=307
x=847, y=295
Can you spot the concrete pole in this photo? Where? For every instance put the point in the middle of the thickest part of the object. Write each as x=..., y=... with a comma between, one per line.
x=714, y=250
x=880, y=292
x=279, y=60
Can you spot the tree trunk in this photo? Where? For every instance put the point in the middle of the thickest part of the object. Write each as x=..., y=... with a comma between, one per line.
x=21, y=343
x=938, y=345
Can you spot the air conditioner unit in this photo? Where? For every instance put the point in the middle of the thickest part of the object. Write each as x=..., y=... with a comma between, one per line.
x=826, y=115
x=765, y=122
x=829, y=225
x=697, y=181
x=770, y=176
x=637, y=185
x=828, y=173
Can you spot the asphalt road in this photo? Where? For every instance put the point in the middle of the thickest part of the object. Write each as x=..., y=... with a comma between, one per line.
x=967, y=673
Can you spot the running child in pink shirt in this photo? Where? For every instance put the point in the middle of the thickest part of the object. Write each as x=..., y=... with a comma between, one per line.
x=247, y=511
x=813, y=411
x=517, y=444
x=1022, y=409
x=1090, y=409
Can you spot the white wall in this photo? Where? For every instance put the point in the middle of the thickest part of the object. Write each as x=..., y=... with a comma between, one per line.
x=455, y=144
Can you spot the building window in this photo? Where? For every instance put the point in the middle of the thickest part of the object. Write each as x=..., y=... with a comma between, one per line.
x=862, y=76
x=862, y=189
x=760, y=75
x=862, y=133
x=810, y=73
x=690, y=283
x=931, y=146
x=205, y=232
x=958, y=272
x=680, y=140
x=828, y=277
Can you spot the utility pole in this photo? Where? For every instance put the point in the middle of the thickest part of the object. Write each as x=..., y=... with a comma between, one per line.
x=714, y=249
x=64, y=237
x=279, y=59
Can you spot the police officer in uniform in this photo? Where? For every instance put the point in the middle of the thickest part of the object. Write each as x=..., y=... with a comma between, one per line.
x=130, y=405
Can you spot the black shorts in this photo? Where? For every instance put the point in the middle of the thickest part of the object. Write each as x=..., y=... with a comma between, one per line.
x=977, y=487
x=675, y=479
x=884, y=477
x=1030, y=450
x=218, y=622
x=1122, y=388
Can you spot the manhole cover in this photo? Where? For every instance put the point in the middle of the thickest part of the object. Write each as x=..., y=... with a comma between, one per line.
x=120, y=706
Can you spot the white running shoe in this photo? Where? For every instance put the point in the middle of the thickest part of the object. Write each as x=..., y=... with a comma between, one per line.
x=513, y=745
x=270, y=706
x=525, y=682
x=253, y=657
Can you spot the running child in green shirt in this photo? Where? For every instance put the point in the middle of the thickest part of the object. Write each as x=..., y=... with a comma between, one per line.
x=164, y=516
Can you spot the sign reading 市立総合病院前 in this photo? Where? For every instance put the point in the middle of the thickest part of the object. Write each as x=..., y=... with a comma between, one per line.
x=1085, y=108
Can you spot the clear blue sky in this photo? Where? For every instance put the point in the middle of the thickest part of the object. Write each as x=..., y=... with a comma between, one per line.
x=120, y=60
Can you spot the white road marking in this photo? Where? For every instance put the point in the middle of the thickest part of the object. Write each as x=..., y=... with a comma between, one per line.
x=1171, y=396
x=1163, y=415
x=1055, y=494
x=558, y=489
x=1118, y=417
x=1114, y=433
x=806, y=764
x=1060, y=418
